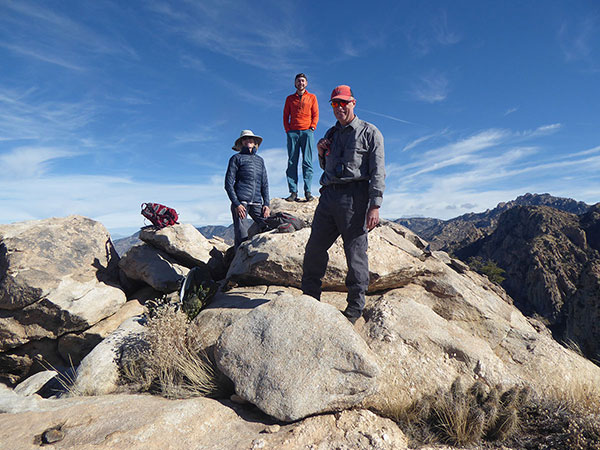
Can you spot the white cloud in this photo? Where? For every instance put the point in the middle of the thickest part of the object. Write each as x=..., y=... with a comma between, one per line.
x=576, y=39
x=30, y=162
x=25, y=114
x=435, y=31
x=115, y=201
x=387, y=116
x=546, y=129
x=422, y=139
x=62, y=41
x=270, y=44
x=488, y=167
x=431, y=88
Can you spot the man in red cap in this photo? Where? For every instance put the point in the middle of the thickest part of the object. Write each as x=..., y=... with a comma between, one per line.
x=352, y=158
x=300, y=118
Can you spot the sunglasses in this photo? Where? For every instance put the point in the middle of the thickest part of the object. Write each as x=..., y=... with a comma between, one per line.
x=336, y=103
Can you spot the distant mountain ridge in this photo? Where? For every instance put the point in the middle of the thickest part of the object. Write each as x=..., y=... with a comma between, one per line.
x=449, y=235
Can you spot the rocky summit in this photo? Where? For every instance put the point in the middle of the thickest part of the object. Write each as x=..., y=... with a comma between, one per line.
x=297, y=374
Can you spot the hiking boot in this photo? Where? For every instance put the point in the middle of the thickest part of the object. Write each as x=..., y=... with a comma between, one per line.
x=308, y=196
x=351, y=319
x=292, y=197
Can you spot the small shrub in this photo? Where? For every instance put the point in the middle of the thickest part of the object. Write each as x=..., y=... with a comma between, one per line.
x=487, y=267
x=169, y=361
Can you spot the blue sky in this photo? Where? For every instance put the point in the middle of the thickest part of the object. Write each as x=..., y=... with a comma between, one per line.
x=108, y=104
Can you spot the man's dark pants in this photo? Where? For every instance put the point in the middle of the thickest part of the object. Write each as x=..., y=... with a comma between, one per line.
x=240, y=226
x=341, y=210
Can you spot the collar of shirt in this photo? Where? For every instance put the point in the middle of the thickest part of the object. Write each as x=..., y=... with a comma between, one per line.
x=353, y=123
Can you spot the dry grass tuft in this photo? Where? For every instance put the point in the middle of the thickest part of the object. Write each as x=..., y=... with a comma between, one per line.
x=463, y=416
x=169, y=361
x=565, y=418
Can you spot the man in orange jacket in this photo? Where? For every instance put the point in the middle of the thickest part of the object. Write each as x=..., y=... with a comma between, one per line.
x=300, y=117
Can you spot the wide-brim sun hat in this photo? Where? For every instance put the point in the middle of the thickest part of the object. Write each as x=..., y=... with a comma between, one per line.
x=237, y=146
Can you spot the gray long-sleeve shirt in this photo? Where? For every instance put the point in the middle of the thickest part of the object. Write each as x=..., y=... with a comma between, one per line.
x=356, y=154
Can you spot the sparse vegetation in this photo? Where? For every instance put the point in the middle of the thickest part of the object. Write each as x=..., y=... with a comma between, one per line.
x=65, y=378
x=464, y=416
x=169, y=360
x=487, y=267
x=565, y=419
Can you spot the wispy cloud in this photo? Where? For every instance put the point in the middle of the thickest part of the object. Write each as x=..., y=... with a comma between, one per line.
x=422, y=139
x=423, y=37
x=546, y=129
x=431, y=88
x=25, y=114
x=511, y=110
x=214, y=26
x=387, y=116
x=30, y=162
x=485, y=168
x=543, y=130
x=204, y=133
x=576, y=39
x=115, y=201
x=53, y=37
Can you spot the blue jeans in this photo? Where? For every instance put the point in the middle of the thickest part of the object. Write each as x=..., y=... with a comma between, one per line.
x=342, y=210
x=300, y=141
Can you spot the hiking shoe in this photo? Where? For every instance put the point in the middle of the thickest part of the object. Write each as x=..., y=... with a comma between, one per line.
x=308, y=196
x=351, y=319
x=292, y=197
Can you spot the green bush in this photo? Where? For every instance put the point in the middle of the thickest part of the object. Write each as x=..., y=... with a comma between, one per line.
x=487, y=267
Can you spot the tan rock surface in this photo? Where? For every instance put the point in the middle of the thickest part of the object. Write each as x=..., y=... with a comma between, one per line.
x=275, y=258
x=156, y=268
x=74, y=346
x=182, y=241
x=280, y=358
x=57, y=276
x=147, y=422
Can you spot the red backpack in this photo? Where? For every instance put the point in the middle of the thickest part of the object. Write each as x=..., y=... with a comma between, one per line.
x=160, y=215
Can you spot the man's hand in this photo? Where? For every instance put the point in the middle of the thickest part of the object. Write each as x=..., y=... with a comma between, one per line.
x=372, y=217
x=266, y=212
x=323, y=146
x=241, y=212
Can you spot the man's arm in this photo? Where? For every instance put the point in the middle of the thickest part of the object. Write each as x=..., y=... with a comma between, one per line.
x=287, y=112
x=314, y=113
x=376, y=169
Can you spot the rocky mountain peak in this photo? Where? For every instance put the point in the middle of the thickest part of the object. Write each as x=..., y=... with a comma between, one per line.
x=450, y=235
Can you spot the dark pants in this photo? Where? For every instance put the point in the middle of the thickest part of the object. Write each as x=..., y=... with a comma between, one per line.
x=240, y=226
x=341, y=211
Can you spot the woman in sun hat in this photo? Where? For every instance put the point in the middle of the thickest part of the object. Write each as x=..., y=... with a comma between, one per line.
x=247, y=185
